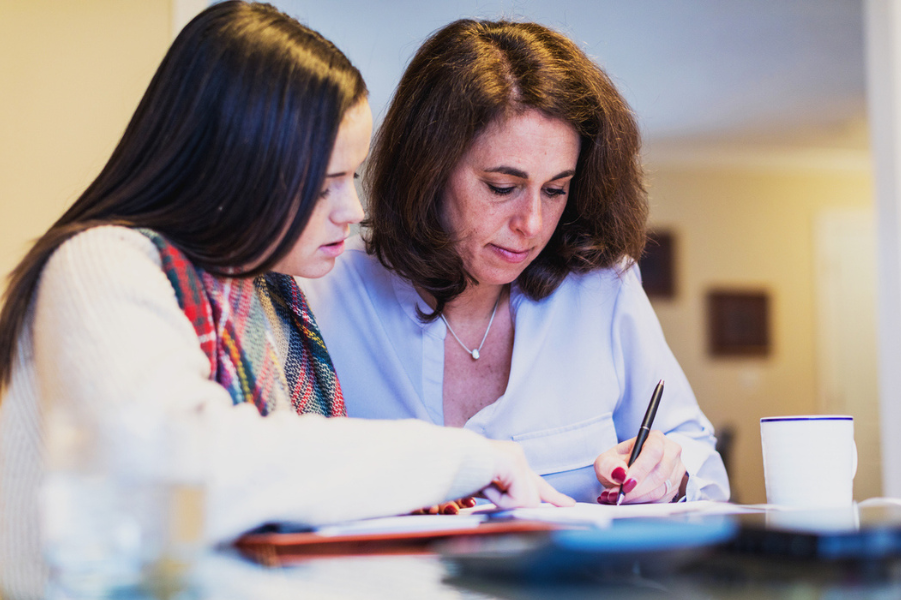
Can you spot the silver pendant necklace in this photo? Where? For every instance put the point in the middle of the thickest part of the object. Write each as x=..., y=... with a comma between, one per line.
x=475, y=352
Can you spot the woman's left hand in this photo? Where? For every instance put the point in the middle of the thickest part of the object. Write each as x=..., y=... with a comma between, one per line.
x=657, y=475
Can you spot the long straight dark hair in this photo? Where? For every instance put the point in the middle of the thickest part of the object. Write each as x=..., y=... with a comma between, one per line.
x=225, y=155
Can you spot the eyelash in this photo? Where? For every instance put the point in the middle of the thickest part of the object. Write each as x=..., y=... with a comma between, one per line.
x=501, y=191
x=325, y=192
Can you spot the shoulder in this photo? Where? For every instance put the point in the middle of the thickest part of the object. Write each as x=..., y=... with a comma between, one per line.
x=104, y=247
x=102, y=266
x=104, y=292
x=599, y=294
x=623, y=279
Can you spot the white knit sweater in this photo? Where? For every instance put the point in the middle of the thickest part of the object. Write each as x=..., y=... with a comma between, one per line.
x=105, y=329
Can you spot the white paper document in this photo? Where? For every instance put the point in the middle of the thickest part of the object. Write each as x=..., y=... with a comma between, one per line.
x=403, y=524
x=602, y=515
x=583, y=513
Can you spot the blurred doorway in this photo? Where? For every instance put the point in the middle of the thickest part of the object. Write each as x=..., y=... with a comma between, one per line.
x=847, y=361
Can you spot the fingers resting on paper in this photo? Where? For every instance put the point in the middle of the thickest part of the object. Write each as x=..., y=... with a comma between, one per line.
x=656, y=475
x=515, y=484
x=447, y=508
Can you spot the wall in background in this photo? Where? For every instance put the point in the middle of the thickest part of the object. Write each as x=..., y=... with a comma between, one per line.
x=753, y=227
x=72, y=75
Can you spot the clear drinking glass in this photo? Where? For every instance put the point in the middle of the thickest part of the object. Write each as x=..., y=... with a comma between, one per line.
x=122, y=502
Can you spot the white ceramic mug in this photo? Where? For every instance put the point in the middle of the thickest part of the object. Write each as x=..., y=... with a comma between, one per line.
x=809, y=460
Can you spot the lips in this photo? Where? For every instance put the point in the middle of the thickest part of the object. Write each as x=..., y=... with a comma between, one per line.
x=509, y=254
x=333, y=249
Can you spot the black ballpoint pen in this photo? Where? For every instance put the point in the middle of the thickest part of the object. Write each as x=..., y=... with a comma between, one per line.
x=643, y=431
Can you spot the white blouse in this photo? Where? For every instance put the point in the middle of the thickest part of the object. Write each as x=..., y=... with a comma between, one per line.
x=585, y=362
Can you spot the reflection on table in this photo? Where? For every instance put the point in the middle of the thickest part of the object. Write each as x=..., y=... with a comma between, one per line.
x=230, y=577
x=509, y=567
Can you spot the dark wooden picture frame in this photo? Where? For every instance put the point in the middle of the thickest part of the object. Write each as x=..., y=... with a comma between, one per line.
x=738, y=323
x=658, y=265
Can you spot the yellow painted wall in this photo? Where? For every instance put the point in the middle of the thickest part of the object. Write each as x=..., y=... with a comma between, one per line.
x=748, y=227
x=71, y=74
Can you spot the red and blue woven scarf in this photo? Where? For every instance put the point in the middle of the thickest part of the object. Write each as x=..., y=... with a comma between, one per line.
x=235, y=320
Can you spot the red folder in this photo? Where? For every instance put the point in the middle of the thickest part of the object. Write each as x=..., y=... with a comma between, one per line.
x=277, y=548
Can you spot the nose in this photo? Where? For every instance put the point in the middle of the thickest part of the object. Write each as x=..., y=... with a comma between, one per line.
x=528, y=218
x=349, y=210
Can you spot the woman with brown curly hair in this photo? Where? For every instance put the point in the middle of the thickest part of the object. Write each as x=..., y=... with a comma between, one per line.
x=496, y=289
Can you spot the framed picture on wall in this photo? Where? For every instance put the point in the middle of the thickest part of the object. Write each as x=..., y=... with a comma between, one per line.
x=658, y=265
x=738, y=323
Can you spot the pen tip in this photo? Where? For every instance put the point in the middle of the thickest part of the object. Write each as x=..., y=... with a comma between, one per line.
x=660, y=382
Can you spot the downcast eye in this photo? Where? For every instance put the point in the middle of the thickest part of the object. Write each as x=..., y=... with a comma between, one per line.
x=500, y=191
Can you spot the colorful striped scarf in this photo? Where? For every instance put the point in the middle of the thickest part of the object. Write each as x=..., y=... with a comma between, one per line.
x=243, y=323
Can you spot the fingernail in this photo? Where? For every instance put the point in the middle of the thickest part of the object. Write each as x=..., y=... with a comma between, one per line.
x=629, y=485
x=612, y=497
x=603, y=496
x=618, y=475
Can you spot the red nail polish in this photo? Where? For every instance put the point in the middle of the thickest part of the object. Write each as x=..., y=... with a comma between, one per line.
x=600, y=499
x=619, y=474
x=629, y=485
x=612, y=497
x=603, y=496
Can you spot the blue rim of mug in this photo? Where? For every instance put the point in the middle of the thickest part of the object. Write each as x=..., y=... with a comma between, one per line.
x=807, y=418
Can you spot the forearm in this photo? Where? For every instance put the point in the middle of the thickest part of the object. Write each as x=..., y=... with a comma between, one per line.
x=320, y=471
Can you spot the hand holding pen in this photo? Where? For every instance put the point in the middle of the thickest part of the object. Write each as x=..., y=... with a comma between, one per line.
x=654, y=470
x=643, y=432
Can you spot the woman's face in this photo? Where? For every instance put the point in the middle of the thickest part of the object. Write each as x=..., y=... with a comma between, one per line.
x=504, y=198
x=338, y=206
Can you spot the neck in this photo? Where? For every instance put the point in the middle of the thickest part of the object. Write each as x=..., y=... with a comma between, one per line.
x=474, y=303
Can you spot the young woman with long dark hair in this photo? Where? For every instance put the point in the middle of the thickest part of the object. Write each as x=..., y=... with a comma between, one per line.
x=168, y=287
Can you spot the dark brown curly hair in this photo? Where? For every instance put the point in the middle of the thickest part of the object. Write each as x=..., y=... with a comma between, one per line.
x=464, y=77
